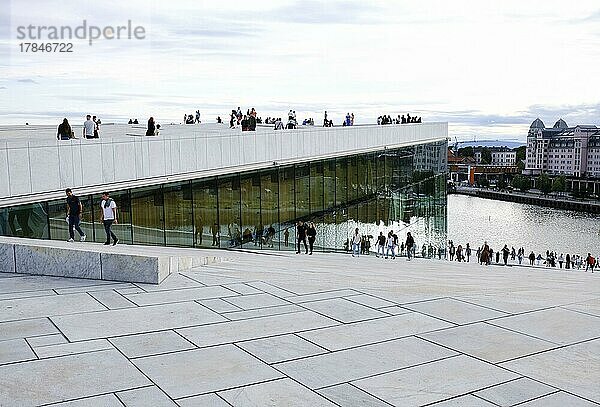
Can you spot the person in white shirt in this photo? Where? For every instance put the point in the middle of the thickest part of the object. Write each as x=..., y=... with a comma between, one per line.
x=391, y=246
x=356, y=243
x=88, y=127
x=108, y=214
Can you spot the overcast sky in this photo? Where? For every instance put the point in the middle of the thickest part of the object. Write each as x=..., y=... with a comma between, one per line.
x=487, y=67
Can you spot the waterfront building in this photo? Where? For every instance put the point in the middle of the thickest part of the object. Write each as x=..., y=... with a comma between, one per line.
x=207, y=185
x=501, y=156
x=563, y=150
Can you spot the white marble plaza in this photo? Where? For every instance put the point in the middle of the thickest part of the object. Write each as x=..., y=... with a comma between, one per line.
x=278, y=329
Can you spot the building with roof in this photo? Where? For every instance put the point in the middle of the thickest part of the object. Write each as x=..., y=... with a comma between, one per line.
x=501, y=156
x=563, y=150
x=210, y=186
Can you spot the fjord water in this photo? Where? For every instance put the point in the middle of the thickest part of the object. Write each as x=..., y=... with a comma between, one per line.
x=537, y=228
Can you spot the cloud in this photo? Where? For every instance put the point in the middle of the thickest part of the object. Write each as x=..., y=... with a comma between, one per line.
x=3, y=87
x=328, y=12
x=591, y=18
x=27, y=80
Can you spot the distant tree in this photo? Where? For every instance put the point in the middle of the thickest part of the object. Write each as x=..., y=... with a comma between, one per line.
x=466, y=152
x=501, y=183
x=483, y=182
x=544, y=184
x=486, y=156
x=559, y=184
x=520, y=165
x=521, y=153
x=521, y=182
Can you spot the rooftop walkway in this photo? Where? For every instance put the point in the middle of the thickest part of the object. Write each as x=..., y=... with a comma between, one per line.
x=278, y=329
x=34, y=166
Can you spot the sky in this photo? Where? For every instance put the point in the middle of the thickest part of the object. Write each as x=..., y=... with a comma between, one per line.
x=489, y=68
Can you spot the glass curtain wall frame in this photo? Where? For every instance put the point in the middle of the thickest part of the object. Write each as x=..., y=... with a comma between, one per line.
x=374, y=191
x=269, y=208
x=123, y=228
x=229, y=211
x=251, y=221
x=182, y=228
x=148, y=215
x=207, y=231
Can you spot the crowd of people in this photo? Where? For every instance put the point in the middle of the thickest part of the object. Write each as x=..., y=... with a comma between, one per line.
x=387, y=119
x=485, y=255
x=246, y=121
x=91, y=129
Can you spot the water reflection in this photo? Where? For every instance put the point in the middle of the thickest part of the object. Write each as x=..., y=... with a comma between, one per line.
x=473, y=220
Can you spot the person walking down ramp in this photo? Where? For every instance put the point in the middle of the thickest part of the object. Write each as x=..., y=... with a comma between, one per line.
x=108, y=215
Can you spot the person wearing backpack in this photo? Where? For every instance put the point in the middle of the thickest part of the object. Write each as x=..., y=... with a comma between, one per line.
x=108, y=214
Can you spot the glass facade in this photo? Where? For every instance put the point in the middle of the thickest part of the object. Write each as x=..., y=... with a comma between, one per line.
x=401, y=189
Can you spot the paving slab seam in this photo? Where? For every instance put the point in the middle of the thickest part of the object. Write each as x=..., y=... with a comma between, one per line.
x=116, y=394
x=559, y=346
x=120, y=295
x=555, y=392
x=358, y=290
x=222, y=299
x=54, y=403
x=372, y=395
x=285, y=375
x=252, y=295
x=272, y=285
x=385, y=372
x=579, y=311
x=224, y=315
x=349, y=298
x=99, y=302
x=229, y=388
x=139, y=370
x=141, y=288
x=176, y=302
x=483, y=306
x=375, y=342
x=522, y=333
x=189, y=278
x=422, y=301
x=511, y=314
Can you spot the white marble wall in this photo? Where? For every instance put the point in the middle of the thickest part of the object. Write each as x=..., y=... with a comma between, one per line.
x=47, y=165
x=54, y=261
x=7, y=258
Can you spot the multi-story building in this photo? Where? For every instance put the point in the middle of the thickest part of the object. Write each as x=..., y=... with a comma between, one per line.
x=563, y=150
x=501, y=156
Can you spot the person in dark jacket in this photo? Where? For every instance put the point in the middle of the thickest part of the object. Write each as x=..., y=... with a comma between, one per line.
x=64, y=130
x=311, y=232
x=151, y=127
x=410, y=243
x=301, y=236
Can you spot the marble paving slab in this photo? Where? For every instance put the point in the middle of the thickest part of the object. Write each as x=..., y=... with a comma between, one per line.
x=353, y=364
x=194, y=372
x=376, y=330
x=70, y=377
x=284, y=392
x=129, y=321
x=435, y=381
x=572, y=368
x=235, y=331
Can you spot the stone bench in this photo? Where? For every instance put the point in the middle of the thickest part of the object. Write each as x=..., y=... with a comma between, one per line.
x=135, y=264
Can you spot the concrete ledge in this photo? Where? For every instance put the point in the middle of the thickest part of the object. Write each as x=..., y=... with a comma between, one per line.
x=134, y=264
x=7, y=258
